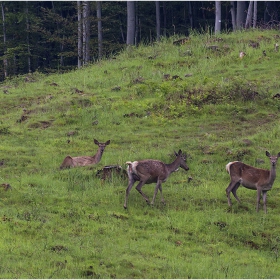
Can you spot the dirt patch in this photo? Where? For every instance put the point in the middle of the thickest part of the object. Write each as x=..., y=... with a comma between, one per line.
x=131, y=115
x=6, y=186
x=251, y=244
x=59, y=248
x=41, y=124
x=220, y=224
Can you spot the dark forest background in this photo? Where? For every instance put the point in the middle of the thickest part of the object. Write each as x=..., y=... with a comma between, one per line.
x=51, y=36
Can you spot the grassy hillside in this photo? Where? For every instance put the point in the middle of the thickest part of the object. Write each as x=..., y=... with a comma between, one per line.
x=200, y=97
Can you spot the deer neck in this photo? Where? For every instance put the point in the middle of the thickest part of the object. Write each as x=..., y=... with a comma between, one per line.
x=171, y=167
x=98, y=155
x=272, y=174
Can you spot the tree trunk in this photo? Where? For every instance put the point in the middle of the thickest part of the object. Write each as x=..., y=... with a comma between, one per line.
x=240, y=17
x=137, y=24
x=61, y=43
x=190, y=14
x=80, y=42
x=266, y=16
x=122, y=32
x=270, y=13
x=86, y=34
x=248, y=23
x=27, y=39
x=5, y=61
x=99, y=28
x=61, y=50
x=158, y=19
x=164, y=18
x=255, y=14
x=130, y=37
x=233, y=15
x=218, y=19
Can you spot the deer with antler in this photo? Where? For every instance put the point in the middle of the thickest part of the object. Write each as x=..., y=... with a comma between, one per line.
x=251, y=178
x=85, y=160
x=152, y=171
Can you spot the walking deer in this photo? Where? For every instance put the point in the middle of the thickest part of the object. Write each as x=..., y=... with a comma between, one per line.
x=251, y=178
x=152, y=171
x=85, y=160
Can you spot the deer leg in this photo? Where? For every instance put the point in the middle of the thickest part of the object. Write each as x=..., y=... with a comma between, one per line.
x=230, y=187
x=138, y=188
x=155, y=194
x=258, y=198
x=162, y=199
x=158, y=187
x=131, y=182
x=234, y=191
x=264, y=201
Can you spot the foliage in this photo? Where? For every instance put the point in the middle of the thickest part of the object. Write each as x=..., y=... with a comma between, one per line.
x=149, y=101
x=42, y=35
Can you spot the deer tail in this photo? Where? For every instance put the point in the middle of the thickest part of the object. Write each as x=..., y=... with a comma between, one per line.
x=228, y=167
x=129, y=168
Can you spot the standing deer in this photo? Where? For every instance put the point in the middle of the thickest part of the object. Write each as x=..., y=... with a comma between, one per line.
x=251, y=178
x=85, y=160
x=152, y=171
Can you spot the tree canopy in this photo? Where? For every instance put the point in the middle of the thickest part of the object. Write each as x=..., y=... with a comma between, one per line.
x=44, y=35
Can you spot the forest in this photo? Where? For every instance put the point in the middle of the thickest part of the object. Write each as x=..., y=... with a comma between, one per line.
x=58, y=36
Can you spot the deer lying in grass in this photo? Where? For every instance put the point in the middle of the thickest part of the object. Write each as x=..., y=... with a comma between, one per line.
x=251, y=178
x=152, y=171
x=85, y=160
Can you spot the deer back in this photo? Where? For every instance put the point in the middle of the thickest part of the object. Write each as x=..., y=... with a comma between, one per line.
x=83, y=160
x=147, y=170
x=249, y=176
x=67, y=162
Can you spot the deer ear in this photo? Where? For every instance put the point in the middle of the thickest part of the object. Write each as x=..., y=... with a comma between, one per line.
x=96, y=142
x=267, y=154
x=108, y=142
x=179, y=153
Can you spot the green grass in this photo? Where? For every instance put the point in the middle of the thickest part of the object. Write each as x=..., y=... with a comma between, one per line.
x=213, y=105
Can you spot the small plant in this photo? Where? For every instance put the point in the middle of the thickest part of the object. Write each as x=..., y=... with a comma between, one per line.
x=4, y=130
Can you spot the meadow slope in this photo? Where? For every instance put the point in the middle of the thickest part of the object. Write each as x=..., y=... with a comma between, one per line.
x=150, y=101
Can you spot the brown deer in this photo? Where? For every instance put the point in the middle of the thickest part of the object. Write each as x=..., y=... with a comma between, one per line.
x=251, y=178
x=85, y=160
x=152, y=171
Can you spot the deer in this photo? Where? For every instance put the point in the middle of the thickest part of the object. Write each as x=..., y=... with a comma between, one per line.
x=85, y=160
x=152, y=171
x=252, y=178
